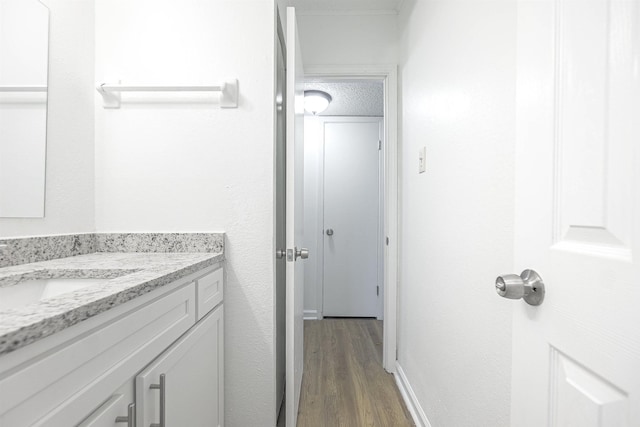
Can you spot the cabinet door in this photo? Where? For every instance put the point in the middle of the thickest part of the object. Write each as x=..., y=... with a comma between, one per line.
x=192, y=388
x=117, y=407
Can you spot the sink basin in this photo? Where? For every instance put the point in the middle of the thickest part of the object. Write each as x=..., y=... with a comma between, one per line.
x=43, y=284
x=30, y=291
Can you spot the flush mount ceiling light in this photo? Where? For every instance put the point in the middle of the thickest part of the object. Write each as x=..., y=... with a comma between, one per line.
x=316, y=101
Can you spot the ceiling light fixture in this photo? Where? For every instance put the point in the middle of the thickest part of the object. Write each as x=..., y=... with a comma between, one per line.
x=316, y=101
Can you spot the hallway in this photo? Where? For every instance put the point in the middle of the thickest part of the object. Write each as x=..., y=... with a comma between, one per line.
x=344, y=383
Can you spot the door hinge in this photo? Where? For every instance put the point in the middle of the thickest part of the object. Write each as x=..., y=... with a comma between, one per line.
x=387, y=241
x=379, y=144
x=378, y=290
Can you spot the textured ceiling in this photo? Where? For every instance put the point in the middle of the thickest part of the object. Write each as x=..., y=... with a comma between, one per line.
x=351, y=98
x=346, y=5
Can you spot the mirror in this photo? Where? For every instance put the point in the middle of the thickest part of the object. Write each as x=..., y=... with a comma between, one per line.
x=24, y=52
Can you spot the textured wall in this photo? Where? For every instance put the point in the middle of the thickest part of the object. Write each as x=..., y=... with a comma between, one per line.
x=458, y=100
x=177, y=162
x=350, y=98
x=70, y=126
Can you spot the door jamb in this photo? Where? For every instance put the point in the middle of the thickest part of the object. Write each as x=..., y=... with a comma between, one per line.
x=389, y=74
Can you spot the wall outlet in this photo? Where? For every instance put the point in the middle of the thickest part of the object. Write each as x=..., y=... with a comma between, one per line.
x=422, y=160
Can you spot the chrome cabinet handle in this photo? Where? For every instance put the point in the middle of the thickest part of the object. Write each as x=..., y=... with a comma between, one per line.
x=329, y=231
x=163, y=389
x=302, y=253
x=528, y=286
x=130, y=419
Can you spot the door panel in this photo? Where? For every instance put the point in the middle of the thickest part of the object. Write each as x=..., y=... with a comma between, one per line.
x=351, y=212
x=581, y=398
x=294, y=218
x=576, y=357
x=594, y=151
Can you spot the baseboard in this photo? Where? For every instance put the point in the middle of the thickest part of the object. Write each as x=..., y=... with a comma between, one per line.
x=311, y=315
x=410, y=398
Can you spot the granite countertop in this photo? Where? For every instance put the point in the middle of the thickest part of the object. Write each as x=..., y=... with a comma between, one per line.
x=130, y=275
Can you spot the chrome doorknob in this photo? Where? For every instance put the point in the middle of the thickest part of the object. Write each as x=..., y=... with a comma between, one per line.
x=329, y=231
x=302, y=253
x=528, y=286
x=280, y=253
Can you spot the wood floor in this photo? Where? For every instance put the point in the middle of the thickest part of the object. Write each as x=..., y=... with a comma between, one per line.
x=344, y=384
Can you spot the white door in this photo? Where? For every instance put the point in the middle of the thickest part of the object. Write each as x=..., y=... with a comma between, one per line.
x=188, y=376
x=294, y=219
x=576, y=357
x=351, y=218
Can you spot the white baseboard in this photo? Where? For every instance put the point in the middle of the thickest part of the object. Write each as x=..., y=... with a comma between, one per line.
x=311, y=315
x=410, y=398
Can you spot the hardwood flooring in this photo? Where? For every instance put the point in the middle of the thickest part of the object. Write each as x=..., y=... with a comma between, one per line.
x=344, y=384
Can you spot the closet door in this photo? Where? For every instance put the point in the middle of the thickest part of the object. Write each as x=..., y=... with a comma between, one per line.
x=352, y=248
x=184, y=385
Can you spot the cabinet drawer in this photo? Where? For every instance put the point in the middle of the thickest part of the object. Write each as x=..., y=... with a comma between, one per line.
x=117, y=406
x=210, y=291
x=78, y=375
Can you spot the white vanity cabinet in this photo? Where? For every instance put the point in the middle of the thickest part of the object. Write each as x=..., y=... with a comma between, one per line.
x=99, y=372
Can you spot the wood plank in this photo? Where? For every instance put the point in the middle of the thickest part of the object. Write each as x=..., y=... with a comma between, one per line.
x=344, y=383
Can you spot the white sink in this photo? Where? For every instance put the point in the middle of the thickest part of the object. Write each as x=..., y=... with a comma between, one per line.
x=34, y=290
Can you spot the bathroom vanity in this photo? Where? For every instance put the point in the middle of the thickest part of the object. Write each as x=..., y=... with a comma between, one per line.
x=114, y=339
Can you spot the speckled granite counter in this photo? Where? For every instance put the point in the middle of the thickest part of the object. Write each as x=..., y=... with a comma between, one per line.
x=130, y=274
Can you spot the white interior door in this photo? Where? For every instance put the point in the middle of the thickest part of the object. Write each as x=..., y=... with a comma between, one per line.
x=351, y=218
x=576, y=357
x=294, y=227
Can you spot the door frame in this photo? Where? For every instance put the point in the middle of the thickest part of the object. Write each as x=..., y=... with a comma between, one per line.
x=388, y=73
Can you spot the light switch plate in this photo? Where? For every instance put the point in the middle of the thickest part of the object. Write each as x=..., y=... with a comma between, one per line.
x=422, y=160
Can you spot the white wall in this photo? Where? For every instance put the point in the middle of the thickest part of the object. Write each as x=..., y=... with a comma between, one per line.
x=337, y=39
x=458, y=100
x=313, y=136
x=163, y=165
x=69, y=203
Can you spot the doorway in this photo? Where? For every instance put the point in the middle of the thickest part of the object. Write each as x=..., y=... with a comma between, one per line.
x=343, y=199
x=377, y=118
